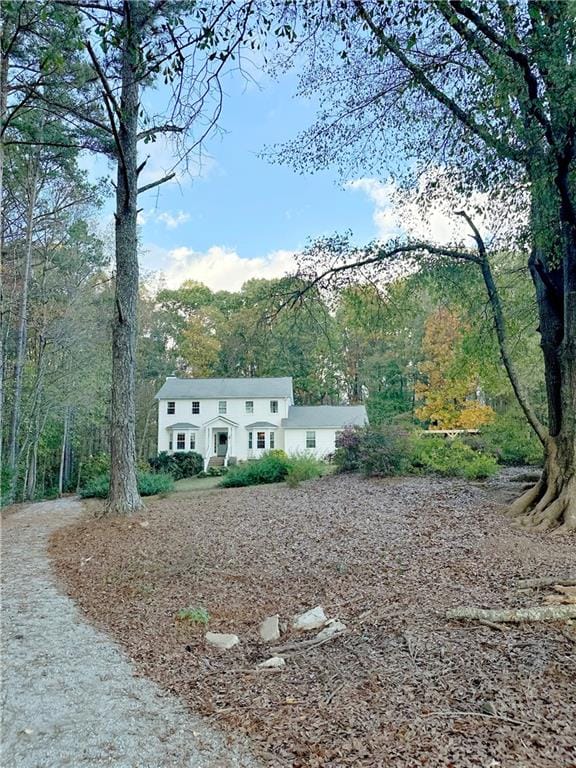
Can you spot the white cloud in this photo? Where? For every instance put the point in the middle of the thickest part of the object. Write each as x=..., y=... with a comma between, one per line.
x=169, y=219
x=172, y=221
x=222, y=268
x=397, y=213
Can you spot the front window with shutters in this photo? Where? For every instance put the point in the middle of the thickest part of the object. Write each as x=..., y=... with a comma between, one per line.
x=181, y=441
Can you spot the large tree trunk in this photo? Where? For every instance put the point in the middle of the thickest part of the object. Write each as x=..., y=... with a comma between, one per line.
x=124, y=497
x=552, y=501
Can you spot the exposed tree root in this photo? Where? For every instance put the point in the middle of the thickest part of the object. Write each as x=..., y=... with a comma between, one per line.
x=551, y=503
x=541, y=613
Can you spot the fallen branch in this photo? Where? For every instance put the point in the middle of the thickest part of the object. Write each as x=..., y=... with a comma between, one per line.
x=492, y=625
x=547, y=581
x=540, y=613
x=304, y=645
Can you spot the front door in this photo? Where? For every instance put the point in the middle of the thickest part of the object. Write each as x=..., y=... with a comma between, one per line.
x=221, y=443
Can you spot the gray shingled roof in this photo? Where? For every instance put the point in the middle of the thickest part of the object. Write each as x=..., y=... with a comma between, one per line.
x=187, y=389
x=183, y=425
x=318, y=416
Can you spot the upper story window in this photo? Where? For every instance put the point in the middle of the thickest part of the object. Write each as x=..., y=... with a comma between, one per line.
x=249, y=406
x=222, y=406
x=171, y=407
x=195, y=406
x=273, y=406
x=310, y=439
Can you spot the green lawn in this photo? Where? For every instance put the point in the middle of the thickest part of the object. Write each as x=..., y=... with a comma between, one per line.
x=196, y=484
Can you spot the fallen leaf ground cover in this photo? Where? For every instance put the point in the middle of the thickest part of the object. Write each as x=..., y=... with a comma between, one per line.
x=404, y=687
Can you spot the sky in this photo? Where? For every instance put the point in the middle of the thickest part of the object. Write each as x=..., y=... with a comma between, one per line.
x=238, y=215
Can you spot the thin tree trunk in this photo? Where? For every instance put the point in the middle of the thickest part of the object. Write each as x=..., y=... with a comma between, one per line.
x=63, y=453
x=144, y=438
x=3, y=106
x=124, y=497
x=22, y=321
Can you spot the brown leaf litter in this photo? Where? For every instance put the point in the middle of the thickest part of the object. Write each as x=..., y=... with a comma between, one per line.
x=403, y=686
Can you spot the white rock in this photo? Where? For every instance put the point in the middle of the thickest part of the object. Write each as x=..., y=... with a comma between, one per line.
x=270, y=629
x=276, y=662
x=333, y=627
x=224, y=642
x=312, y=619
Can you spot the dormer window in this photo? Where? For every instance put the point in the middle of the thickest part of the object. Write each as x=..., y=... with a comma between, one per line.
x=273, y=406
x=171, y=407
x=222, y=408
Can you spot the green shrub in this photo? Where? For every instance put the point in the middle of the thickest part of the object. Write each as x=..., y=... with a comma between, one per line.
x=383, y=452
x=450, y=458
x=97, y=488
x=149, y=484
x=178, y=465
x=94, y=466
x=271, y=468
x=216, y=472
x=511, y=440
x=302, y=467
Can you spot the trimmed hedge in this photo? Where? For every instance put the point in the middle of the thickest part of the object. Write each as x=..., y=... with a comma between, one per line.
x=149, y=484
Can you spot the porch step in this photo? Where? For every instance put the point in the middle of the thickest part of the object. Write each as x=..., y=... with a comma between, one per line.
x=216, y=461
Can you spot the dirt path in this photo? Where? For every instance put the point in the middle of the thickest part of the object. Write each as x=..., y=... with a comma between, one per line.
x=69, y=694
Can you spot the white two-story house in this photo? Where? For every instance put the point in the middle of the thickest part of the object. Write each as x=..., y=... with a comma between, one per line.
x=241, y=418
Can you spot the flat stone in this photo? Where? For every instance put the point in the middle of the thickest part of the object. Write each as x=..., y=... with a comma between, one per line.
x=312, y=619
x=333, y=627
x=222, y=641
x=276, y=662
x=270, y=629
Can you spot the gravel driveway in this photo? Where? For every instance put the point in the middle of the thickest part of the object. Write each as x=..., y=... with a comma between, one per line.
x=69, y=694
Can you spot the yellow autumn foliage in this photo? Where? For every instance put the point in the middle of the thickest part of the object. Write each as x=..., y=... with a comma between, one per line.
x=448, y=395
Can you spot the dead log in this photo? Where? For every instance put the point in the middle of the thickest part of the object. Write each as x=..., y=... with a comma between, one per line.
x=539, y=613
x=546, y=581
x=290, y=648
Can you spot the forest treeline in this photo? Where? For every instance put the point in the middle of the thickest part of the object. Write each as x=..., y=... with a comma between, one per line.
x=414, y=349
x=466, y=105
